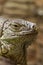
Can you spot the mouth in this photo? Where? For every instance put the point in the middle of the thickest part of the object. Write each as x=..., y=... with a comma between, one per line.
x=31, y=31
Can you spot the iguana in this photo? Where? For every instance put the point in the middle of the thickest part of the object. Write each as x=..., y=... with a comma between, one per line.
x=15, y=36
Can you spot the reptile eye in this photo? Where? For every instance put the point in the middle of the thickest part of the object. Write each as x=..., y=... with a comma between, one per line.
x=15, y=25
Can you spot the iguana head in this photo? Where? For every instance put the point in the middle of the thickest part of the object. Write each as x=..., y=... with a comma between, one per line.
x=16, y=32
x=18, y=27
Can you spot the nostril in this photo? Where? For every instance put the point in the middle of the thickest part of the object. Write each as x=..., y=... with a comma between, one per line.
x=35, y=28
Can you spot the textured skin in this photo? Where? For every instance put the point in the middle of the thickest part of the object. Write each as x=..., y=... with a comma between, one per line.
x=15, y=36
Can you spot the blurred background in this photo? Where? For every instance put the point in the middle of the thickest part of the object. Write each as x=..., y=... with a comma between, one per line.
x=31, y=10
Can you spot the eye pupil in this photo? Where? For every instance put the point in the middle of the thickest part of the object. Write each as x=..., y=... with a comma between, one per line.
x=15, y=25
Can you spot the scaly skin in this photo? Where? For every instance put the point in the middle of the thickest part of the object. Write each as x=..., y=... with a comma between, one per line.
x=15, y=36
